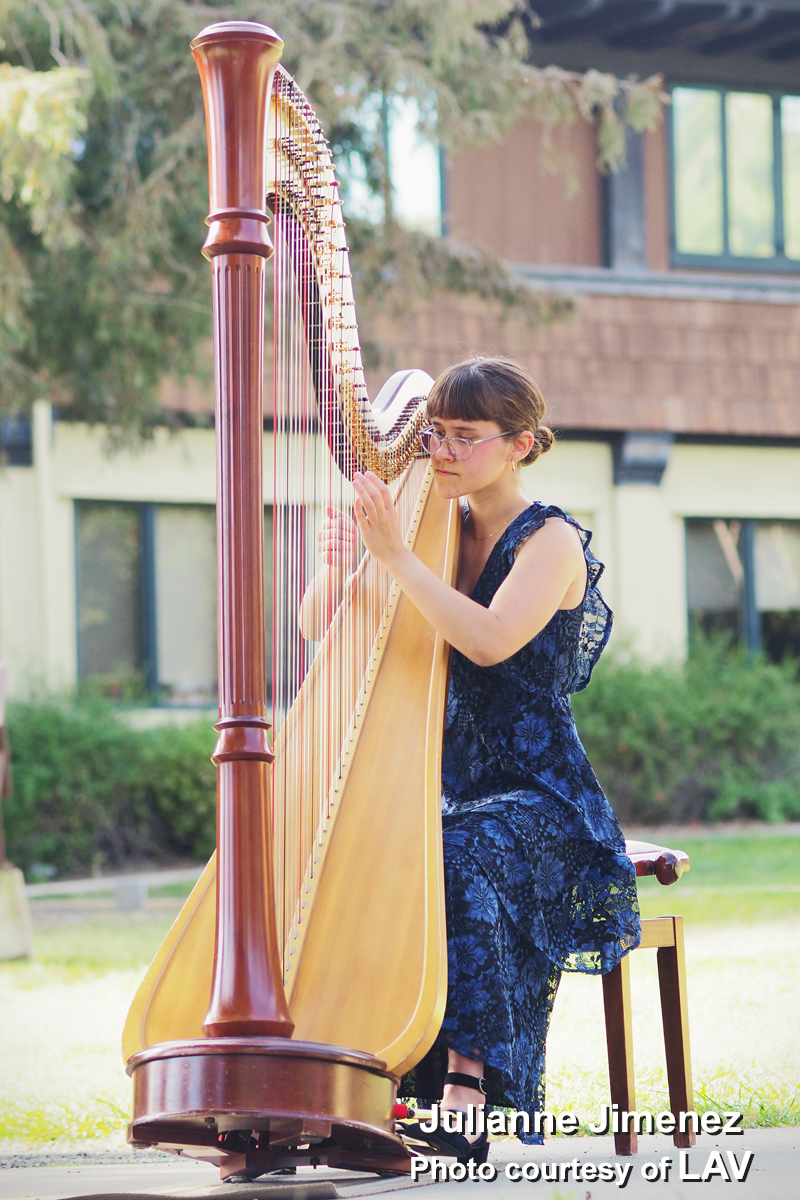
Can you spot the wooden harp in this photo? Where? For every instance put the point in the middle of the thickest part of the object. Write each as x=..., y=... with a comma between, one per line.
x=307, y=970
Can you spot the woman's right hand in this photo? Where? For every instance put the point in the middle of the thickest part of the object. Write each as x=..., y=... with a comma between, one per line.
x=336, y=540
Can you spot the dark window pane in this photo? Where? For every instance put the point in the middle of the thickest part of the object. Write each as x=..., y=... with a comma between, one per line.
x=751, y=193
x=16, y=441
x=109, y=591
x=697, y=147
x=716, y=624
x=780, y=634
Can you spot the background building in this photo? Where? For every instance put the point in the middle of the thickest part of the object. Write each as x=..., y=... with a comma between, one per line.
x=676, y=386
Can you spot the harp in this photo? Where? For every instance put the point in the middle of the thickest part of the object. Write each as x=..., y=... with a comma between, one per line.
x=307, y=970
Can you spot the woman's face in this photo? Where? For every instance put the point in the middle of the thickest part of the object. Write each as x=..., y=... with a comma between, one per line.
x=488, y=462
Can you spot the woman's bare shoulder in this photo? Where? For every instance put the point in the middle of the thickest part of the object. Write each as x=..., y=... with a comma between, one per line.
x=554, y=534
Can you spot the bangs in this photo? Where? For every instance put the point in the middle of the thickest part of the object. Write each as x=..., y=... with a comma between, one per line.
x=464, y=393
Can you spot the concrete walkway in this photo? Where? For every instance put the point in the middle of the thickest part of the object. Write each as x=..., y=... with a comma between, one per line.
x=773, y=1174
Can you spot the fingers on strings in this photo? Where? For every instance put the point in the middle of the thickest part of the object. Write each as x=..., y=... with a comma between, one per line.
x=337, y=543
x=370, y=492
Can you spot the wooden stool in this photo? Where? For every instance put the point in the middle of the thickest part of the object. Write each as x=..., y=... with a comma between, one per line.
x=665, y=935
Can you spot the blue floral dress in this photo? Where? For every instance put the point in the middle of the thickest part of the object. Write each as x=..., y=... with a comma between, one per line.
x=536, y=876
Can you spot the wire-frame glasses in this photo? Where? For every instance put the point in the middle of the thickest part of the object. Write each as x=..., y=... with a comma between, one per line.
x=459, y=447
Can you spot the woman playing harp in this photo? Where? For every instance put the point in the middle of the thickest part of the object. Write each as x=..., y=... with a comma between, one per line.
x=536, y=876
x=292, y=992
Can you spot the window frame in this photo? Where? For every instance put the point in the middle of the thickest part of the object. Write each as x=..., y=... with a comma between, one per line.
x=779, y=262
x=751, y=633
x=148, y=665
x=148, y=622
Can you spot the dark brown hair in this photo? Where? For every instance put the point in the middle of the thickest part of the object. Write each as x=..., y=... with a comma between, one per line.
x=492, y=389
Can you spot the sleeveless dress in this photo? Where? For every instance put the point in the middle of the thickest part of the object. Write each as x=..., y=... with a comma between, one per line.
x=536, y=876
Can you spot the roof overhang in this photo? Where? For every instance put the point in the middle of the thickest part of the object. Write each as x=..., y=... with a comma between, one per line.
x=769, y=31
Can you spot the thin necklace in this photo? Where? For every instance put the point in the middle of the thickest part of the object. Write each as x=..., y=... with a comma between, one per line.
x=486, y=536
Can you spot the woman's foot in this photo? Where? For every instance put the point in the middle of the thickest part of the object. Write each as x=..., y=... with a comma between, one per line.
x=441, y=1142
x=456, y=1098
x=463, y=1086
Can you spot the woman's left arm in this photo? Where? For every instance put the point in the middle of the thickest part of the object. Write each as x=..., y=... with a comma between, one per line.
x=547, y=565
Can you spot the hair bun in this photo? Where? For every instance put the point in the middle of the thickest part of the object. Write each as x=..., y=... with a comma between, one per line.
x=543, y=439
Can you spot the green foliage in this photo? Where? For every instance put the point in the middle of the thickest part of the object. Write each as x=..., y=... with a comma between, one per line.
x=41, y=116
x=90, y=793
x=98, y=315
x=715, y=739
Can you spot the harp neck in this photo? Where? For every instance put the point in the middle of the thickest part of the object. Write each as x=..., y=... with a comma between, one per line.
x=237, y=62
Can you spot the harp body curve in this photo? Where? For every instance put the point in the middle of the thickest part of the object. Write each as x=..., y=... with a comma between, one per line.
x=376, y=925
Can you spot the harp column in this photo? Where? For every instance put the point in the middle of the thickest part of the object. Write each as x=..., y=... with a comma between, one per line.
x=237, y=64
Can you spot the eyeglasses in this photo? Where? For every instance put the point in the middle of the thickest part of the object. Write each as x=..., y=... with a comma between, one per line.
x=459, y=447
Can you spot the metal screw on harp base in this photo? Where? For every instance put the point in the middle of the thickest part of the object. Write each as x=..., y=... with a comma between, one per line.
x=247, y=1096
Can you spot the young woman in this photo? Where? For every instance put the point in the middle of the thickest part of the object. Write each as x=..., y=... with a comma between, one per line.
x=536, y=876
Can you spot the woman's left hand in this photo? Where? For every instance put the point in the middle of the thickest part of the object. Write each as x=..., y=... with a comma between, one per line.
x=377, y=518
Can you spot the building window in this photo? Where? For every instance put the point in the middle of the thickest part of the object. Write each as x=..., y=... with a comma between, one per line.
x=736, y=178
x=147, y=600
x=743, y=578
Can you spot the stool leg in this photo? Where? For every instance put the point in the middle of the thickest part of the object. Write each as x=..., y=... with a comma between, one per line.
x=619, y=1038
x=675, y=1016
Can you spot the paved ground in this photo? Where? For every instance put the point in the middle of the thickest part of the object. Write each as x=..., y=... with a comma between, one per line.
x=773, y=1174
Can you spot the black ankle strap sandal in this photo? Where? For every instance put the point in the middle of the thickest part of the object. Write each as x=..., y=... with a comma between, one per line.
x=467, y=1081
x=442, y=1143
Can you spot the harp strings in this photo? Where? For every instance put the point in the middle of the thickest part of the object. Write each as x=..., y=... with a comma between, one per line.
x=323, y=430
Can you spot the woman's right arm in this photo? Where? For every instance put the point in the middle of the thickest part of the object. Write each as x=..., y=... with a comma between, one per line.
x=337, y=548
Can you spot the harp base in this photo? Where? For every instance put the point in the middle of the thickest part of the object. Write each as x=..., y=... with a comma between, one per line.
x=254, y=1104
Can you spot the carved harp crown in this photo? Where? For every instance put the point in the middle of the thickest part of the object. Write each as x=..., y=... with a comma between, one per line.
x=348, y=867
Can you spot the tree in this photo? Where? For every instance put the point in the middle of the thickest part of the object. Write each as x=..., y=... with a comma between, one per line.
x=103, y=194
x=40, y=120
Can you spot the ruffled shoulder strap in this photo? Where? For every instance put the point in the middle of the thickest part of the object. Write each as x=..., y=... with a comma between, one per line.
x=590, y=623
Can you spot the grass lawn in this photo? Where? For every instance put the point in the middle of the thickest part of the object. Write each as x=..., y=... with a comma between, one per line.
x=741, y=907
x=741, y=878
x=100, y=942
x=61, y=1016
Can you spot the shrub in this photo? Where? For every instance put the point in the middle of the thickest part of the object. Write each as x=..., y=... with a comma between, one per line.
x=90, y=793
x=717, y=737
